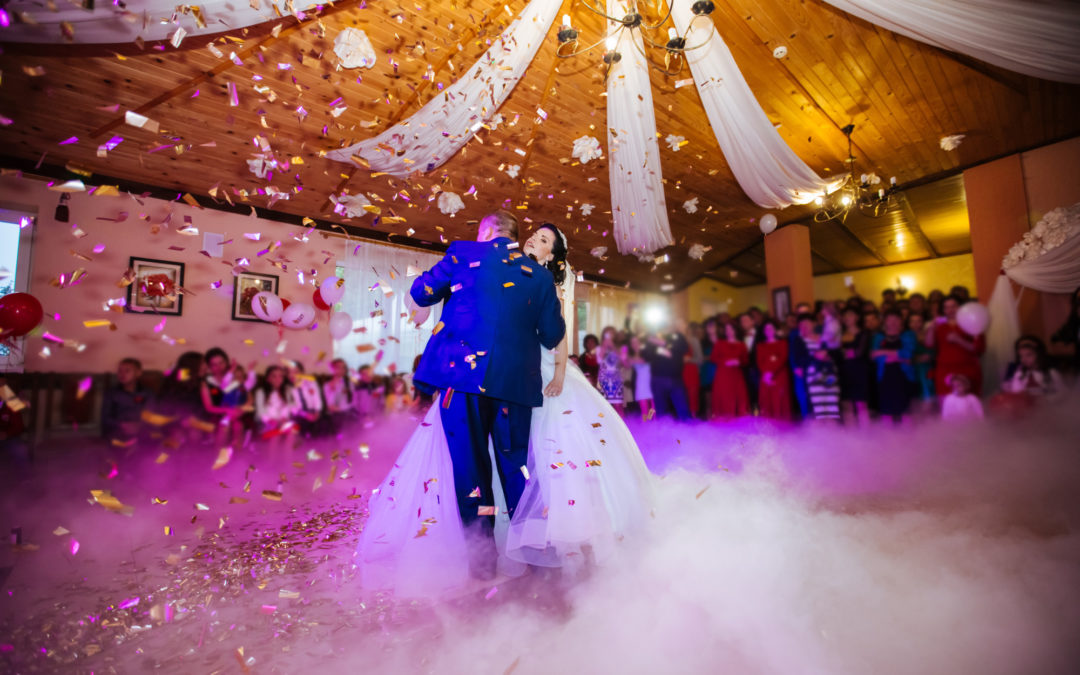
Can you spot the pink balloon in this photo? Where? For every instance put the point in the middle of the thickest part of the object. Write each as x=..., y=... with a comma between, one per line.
x=332, y=290
x=298, y=315
x=340, y=325
x=267, y=306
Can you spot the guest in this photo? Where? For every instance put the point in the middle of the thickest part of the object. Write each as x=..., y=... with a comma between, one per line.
x=587, y=360
x=1069, y=333
x=692, y=365
x=665, y=351
x=367, y=394
x=398, y=399
x=855, y=368
x=822, y=380
x=338, y=394
x=917, y=305
x=223, y=398
x=960, y=403
x=957, y=352
x=123, y=404
x=309, y=403
x=961, y=293
x=1029, y=380
x=275, y=409
x=179, y=405
x=748, y=330
x=729, y=396
x=922, y=362
x=892, y=351
x=774, y=394
x=799, y=357
x=610, y=358
x=643, y=393
x=13, y=447
x=708, y=368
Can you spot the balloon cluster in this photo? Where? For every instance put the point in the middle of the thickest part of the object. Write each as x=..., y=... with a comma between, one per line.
x=300, y=315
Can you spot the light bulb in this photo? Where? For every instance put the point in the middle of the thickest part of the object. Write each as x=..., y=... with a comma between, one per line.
x=818, y=201
x=846, y=200
x=611, y=42
x=672, y=33
x=566, y=20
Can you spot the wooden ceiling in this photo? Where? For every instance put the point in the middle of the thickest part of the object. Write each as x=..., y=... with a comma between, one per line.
x=901, y=95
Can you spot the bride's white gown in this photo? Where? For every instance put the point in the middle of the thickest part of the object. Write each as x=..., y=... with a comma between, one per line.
x=588, y=486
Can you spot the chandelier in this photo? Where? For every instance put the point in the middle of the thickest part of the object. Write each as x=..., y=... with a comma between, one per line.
x=864, y=193
x=673, y=47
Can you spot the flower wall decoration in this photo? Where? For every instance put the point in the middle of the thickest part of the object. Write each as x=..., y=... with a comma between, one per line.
x=1052, y=231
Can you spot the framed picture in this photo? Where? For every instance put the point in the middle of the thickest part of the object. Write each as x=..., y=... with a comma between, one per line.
x=781, y=302
x=245, y=286
x=155, y=287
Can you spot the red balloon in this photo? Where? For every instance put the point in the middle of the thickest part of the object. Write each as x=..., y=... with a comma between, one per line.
x=20, y=313
x=317, y=300
x=285, y=304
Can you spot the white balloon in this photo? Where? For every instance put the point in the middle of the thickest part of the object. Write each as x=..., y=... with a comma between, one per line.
x=332, y=289
x=267, y=306
x=767, y=223
x=340, y=325
x=298, y=315
x=417, y=314
x=973, y=318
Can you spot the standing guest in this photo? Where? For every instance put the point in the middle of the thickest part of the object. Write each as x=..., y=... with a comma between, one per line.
x=708, y=368
x=799, y=357
x=750, y=372
x=892, y=351
x=643, y=393
x=309, y=403
x=692, y=365
x=398, y=399
x=922, y=363
x=757, y=317
x=610, y=358
x=275, y=409
x=774, y=393
x=1069, y=333
x=957, y=352
x=123, y=404
x=729, y=396
x=665, y=351
x=961, y=293
x=223, y=398
x=338, y=393
x=587, y=361
x=917, y=304
x=960, y=403
x=855, y=368
x=822, y=379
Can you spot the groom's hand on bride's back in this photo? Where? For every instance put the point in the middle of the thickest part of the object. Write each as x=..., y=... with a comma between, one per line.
x=551, y=327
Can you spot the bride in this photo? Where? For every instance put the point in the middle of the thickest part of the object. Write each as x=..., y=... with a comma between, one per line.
x=587, y=484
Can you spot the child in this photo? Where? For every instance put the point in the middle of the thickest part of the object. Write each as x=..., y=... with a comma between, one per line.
x=179, y=401
x=123, y=404
x=366, y=393
x=339, y=395
x=1028, y=380
x=398, y=400
x=275, y=406
x=223, y=398
x=961, y=404
x=309, y=403
x=643, y=393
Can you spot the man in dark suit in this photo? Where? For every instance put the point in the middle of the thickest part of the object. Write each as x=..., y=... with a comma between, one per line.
x=484, y=355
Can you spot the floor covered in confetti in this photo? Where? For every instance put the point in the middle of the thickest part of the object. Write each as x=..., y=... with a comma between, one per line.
x=931, y=549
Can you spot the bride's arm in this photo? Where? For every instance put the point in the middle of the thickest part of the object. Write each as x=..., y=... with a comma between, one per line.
x=562, y=355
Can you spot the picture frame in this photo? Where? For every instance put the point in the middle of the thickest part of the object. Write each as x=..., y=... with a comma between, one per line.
x=781, y=302
x=245, y=286
x=156, y=287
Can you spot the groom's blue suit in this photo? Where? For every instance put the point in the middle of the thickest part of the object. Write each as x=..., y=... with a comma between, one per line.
x=485, y=357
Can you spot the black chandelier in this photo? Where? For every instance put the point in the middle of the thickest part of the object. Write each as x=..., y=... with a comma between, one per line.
x=864, y=193
x=674, y=47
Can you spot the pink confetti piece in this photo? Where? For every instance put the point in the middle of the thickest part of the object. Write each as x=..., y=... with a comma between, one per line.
x=74, y=546
x=234, y=98
x=161, y=326
x=69, y=141
x=128, y=604
x=491, y=593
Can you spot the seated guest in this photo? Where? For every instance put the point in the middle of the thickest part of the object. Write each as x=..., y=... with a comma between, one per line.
x=398, y=399
x=123, y=404
x=729, y=395
x=338, y=393
x=1029, y=379
x=892, y=351
x=368, y=395
x=309, y=403
x=275, y=409
x=179, y=404
x=223, y=398
x=774, y=393
x=960, y=403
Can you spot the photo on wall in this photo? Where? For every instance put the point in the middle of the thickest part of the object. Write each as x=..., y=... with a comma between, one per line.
x=781, y=300
x=156, y=287
x=245, y=286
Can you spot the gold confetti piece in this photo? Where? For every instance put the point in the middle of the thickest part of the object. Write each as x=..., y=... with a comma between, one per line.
x=61, y=531
x=223, y=458
x=508, y=284
x=238, y=500
x=159, y=500
x=96, y=323
x=111, y=503
x=289, y=595
x=162, y=458
x=698, y=495
x=438, y=327
x=202, y=507
x=168, y=531
x=486, y=510
x=272, y=495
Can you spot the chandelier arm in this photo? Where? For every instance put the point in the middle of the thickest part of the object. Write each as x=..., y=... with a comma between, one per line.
x=690, y=29
x=662, y=21
x=589, y=6
x=577, y=52
x=652, y=65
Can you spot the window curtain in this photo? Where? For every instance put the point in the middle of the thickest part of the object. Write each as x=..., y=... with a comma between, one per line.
x=638, y=207
x=435, y=133
x=377, y=282
x=609, y=306
x=1033, y=37
x=768, y=170
x=1046, y=260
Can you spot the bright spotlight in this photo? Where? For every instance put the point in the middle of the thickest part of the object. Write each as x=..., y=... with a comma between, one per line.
x=655, y=315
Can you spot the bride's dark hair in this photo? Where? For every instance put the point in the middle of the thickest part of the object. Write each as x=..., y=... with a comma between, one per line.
x=557, y=264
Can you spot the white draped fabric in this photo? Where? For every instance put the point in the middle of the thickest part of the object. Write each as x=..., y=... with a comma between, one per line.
x=767, y=169
x=638, y=206
x=376, y=285
x=1034, y=37
x=1057, y=270
x=447, y=122
x=149, y=19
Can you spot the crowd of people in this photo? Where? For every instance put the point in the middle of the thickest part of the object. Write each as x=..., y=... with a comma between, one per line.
x=847, y=361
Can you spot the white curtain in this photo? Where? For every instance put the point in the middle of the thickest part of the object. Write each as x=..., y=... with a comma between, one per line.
x=1056, y=270
x=638, y=207
x=377, y=282
x=447, y=122
x=1034, y=37
x=767, y=169
x=148, y=19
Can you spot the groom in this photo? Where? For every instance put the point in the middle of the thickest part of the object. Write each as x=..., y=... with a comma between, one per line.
x=485, y=357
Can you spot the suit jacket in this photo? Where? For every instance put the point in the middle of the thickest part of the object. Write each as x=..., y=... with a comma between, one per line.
x=500, y=308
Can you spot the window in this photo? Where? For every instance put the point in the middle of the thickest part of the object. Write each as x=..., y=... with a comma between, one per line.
x=16, y=229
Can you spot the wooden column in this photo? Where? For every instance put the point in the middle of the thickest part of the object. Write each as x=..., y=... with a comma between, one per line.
x=787, y=264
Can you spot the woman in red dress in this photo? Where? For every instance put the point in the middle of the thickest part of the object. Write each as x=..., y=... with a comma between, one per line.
x=730, y=398
x=957, y=352
x=774, y=393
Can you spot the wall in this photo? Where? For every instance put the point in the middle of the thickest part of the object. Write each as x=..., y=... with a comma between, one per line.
x=920, y=277
x=206, y=318
x=705, y=298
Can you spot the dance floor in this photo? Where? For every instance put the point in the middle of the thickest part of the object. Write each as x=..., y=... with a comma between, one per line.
x=931, y=549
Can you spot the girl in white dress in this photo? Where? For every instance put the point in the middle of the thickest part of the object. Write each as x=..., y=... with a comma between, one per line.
x=588, y=485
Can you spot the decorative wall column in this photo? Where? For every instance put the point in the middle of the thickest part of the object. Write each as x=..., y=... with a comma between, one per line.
x=788, y=264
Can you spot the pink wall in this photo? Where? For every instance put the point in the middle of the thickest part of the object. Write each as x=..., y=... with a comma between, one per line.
x=206, y=318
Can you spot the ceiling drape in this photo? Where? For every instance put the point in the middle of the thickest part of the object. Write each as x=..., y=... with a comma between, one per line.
x=1033, y=37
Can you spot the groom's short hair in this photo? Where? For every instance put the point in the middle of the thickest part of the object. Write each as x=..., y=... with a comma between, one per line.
x=506, y=223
